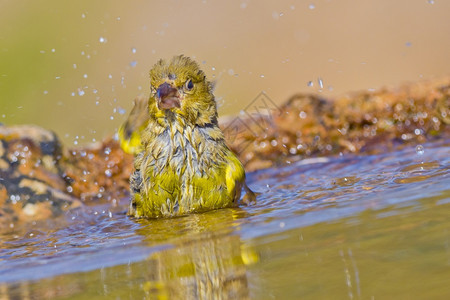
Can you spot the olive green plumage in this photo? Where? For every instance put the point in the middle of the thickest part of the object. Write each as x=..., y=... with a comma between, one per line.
x=184, y=164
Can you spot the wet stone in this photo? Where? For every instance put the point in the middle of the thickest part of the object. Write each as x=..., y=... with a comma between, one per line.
x=365, y=122
x=29, y=189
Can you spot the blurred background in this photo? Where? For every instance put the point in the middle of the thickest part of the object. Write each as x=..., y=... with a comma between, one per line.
x=75, y=66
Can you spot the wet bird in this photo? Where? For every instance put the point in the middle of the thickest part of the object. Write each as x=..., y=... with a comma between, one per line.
x=182, y=163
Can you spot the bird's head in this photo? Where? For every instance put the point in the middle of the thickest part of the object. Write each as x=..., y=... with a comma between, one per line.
x=179, y=88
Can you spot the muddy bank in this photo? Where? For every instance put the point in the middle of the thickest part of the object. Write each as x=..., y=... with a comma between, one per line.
x=40, y=178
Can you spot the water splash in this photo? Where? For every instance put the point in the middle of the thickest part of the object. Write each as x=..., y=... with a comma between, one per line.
x=320, y=82
x=420, y=150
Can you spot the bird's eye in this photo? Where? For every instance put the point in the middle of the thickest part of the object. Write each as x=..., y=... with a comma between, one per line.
x=189, y=85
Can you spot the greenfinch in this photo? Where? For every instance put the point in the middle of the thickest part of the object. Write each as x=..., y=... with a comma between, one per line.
x=182, y=163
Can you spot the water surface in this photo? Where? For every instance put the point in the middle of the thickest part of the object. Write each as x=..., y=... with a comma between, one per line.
x=346, y=227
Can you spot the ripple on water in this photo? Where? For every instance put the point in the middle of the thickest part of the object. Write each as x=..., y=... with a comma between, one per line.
x=332, y=218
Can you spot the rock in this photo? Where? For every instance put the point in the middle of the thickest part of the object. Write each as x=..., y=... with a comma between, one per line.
x=40, y=179
x=369, y=122
x=31, y=185
x=98, y=171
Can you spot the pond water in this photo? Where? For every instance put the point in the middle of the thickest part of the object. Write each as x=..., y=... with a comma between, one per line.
x=346, y=227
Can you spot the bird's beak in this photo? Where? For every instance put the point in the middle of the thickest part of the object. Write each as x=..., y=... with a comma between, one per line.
x=167, y=96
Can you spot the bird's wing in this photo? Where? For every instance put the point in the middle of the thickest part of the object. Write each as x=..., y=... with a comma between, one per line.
x=130, y=133
x=235, y=176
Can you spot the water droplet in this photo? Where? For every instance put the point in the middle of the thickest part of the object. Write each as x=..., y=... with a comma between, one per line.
x=431, y=1
x=311, y=6
x=53, y=50
x=108, y=173
x=302, y=115
x=83, y=16
x=408, y=44
x=45, y=92
x=275, y=15
x=319, y=80
x=133, y=64
x=74, y=66
x=102, y=40
x=85, y=76
x=262, y=76
x=420, y=150
x=133, y=50
x=310, y=83
x=80, y=92
x=109, y=76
